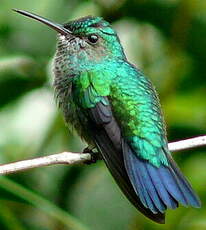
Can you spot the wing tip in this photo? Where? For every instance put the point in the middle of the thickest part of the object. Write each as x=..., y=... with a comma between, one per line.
x=161, y=221
x=158, y=218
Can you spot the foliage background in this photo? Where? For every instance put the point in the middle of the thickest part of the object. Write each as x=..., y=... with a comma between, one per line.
x=165, y=38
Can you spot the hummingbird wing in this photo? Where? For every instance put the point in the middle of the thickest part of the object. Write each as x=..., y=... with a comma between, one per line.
x=105, y=132
x=154, y=175
x=128, y=129
x=107, y=135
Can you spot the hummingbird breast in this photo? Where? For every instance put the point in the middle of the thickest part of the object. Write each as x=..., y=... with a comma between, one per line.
x=66, y=69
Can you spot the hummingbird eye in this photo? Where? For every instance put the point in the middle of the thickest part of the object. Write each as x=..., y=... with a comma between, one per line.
x=93, y=38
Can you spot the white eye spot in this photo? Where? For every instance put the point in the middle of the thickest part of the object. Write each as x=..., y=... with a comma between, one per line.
x=93, y=38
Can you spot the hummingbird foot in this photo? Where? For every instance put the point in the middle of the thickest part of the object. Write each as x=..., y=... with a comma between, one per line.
x=95, y=155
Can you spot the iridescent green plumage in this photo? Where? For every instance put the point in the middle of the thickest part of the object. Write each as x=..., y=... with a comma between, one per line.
x=115, y=108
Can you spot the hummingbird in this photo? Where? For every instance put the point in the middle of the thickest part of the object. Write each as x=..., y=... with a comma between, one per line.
x=114, y=107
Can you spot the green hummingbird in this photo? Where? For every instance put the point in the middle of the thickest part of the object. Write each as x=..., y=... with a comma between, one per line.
x=116, y=110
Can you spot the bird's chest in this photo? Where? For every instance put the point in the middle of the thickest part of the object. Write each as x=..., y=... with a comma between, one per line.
x=68, y=93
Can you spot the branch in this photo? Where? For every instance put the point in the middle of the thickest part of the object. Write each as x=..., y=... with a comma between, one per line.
x=76, y=158
x=187, y=144
x=59, y=158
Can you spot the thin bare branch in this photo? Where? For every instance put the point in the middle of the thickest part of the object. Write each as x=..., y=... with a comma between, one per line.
x=76, y=158
x=59, y=158
x=187, y=144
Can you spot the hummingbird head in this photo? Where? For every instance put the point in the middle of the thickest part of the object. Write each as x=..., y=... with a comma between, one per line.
x=88, y=39
x=94, y=38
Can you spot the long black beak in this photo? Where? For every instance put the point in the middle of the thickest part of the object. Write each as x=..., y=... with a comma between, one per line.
x=58, y=27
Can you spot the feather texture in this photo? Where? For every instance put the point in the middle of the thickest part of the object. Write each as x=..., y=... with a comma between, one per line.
x=108, y=138
x=161, y=187
x=115, y=108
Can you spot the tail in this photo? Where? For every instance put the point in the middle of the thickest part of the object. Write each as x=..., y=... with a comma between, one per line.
x=158, y=188
x=150, y=189
x=106, y=134
x=115, y=163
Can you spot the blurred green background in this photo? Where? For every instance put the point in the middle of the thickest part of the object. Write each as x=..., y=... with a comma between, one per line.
x=166, y=39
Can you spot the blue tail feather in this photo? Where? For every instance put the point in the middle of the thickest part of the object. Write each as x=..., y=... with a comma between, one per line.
x=143, y=190
x=152, y=191
x=139, y=186
x=171, y=184
x=142, y=182
x=169, y=201
x=191, y=197
x=161, y=187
